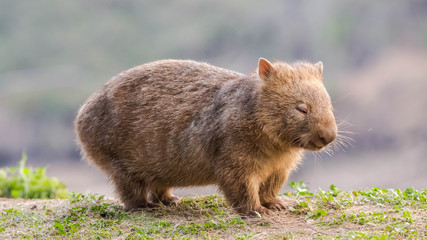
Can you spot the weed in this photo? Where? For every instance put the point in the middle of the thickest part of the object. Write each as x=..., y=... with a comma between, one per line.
x=25, y=182
x=300, y=188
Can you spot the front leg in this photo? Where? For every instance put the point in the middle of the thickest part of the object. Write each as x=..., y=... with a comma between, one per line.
x=242, y=194
x=270, y=189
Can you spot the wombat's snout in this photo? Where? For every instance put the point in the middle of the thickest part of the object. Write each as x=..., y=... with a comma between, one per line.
x=324, y=136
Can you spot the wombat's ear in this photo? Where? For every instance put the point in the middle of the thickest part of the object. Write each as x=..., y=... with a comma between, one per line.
x=319, y=67
x=264, y=68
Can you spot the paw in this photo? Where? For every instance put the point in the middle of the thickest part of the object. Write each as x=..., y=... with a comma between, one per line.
x=262, y=211
x=166, y=200
x=171, y=201
x=274, y=204
x=259, y=212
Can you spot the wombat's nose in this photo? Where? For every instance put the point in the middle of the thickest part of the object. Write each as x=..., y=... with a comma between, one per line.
x=327, y=136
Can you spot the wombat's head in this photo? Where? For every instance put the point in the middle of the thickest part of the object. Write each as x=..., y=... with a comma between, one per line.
x=294, y=106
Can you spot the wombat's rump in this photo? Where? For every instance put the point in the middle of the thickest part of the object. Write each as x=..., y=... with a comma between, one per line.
x=178, y=123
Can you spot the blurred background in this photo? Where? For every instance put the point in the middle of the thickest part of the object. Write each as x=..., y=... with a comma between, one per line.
x=54, y=54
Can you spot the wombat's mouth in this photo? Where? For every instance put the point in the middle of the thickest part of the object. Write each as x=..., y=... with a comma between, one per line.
x=313, y=147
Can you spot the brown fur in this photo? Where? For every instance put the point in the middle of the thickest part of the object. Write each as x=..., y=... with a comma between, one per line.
x=178, y=123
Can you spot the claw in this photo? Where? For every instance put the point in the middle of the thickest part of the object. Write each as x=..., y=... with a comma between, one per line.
x=275, y=204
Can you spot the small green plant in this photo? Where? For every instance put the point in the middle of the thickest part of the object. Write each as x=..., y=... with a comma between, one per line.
x=26, y=182
x=393, y=212
x=378, y=214
x=300, y=189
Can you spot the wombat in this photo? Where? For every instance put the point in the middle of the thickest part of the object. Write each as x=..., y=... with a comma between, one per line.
x=180, y=123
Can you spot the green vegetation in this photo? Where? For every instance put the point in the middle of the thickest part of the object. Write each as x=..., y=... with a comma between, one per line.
x=334, y=214
x=391, y=213
x=25, y=182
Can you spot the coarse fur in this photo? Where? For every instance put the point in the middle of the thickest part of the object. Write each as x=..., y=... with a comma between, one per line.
x=180, y=123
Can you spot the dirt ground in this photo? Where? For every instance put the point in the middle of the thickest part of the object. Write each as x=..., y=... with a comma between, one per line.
x=280, y=223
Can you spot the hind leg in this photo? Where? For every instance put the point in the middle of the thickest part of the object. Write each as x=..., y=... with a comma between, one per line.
x=132, y=193
x=163, y=195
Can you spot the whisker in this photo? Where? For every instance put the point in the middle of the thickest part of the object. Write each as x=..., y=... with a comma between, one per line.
x=338, y=145
x=342, y=98
x=295, y=140
x=328, y=151
x=347, y=144
x=346, y=132
x=344, y=124
x=348, y=140
x=317, y=158
x=344, y=142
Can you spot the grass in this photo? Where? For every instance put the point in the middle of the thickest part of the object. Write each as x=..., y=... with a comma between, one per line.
x=26, y=182
x=334, y=214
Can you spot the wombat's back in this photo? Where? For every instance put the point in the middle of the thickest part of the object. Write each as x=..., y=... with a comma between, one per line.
x=140, y=115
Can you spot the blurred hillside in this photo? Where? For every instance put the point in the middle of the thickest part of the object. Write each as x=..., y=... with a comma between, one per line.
x=54, y=54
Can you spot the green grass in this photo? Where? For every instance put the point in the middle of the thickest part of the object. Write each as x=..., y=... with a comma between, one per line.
x=26, y=182
x=334, y=214
x=391, y=213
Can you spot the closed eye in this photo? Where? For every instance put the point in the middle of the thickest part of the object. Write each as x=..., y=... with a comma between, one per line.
x=302, y=108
